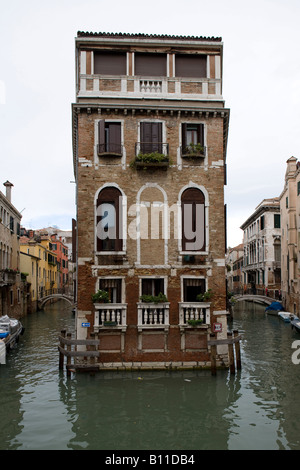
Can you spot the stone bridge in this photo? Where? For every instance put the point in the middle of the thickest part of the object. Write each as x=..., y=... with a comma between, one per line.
x=43, y=300
x=260, y=299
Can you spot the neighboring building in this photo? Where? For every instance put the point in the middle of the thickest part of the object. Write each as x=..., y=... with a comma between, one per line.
x=234, y=265
x=29, y=273
x=149, y=141
x=61, y=251
x=290, y=244
x=66, y=263
x=12, y=296
x=38, y=265
x=262, y=249
x=66, y=236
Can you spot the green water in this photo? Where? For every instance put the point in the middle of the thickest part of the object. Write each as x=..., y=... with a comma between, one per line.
x=42, y=409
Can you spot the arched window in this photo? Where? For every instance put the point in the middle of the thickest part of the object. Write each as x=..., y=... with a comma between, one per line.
x=193, y=220
x=109, y=220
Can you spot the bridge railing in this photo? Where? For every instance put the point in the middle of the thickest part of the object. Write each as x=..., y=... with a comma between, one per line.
x=272, y=293
x=53, y=291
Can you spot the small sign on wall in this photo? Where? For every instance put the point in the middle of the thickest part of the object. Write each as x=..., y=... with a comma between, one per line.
x=217, y=327
x=85, y=325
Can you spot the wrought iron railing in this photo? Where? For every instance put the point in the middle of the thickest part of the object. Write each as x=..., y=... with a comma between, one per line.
x=110, y=149
x=159, y=149
x=193, y=151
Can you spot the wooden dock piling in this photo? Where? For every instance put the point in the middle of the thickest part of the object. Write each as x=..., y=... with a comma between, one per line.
x=213, y=354
x=61, y=355
x=230, y=353
x=232, y=339
x=237, y=350
x=89, y=356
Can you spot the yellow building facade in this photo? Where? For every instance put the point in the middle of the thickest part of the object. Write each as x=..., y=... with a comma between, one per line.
x=39, y=266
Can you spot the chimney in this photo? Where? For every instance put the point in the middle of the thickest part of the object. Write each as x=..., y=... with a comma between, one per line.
x=8, y=186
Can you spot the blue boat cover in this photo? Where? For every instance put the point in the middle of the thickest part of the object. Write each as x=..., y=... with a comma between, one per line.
x=4, y=335
x=275, y=306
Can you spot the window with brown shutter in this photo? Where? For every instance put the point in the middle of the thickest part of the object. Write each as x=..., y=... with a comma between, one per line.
x=109, y=138
x=193, y=220
x=193, y=66
x=151, y=137
x=150, y=65
x=109, y=220
x=110, y=63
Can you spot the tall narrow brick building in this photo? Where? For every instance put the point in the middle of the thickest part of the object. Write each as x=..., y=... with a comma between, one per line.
x=149, y=142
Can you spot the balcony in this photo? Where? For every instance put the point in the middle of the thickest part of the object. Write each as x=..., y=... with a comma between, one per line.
x=8, y=276
x=193, y=151
x=110, y=316
x=110, y=150
x=94, y=85
x=151, y=155
x=152, y=315
x=192, y=314
x=276, y=265
x=151, y=86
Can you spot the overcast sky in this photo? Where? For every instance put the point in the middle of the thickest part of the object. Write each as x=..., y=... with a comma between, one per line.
x=261, y=87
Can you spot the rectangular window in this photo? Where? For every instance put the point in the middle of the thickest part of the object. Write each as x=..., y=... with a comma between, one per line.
x=109, y=220
x=262, y=222
x=151, y=65
x=153, y=286
x=192, y=288
x=151, y=137
x=276, y=220
x=108, y=224
x=298, y=188
x=193, y=139
x=193, y=220
x=114, y=289
x=109, y=138
x=277, y=253
x=110, y=63
x=193, y=66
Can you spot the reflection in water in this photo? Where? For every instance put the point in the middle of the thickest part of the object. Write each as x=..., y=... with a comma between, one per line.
x=255, y=409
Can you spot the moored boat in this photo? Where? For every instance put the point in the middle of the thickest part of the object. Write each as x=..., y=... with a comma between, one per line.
x=10, y=330
x=286, y=316
x=295, y=323
x=274, y=308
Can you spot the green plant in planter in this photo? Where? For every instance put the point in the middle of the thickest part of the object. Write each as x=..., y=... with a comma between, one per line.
x=195, y=322
x=157, y=299
x=153, y=157
x=100, y=297
x=205, y=297
x=195, y=149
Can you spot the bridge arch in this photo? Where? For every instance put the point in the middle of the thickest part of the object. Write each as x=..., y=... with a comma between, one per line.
x=260, y=299
x=42, y=302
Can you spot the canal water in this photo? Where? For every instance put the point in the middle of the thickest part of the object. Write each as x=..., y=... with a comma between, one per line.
x=42, y=409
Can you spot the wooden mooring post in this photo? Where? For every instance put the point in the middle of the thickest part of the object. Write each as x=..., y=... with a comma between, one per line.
x=232, y=339
x=213, y=353
x=90, y=355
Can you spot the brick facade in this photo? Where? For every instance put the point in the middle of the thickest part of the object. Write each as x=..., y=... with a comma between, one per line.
x=156, y=335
